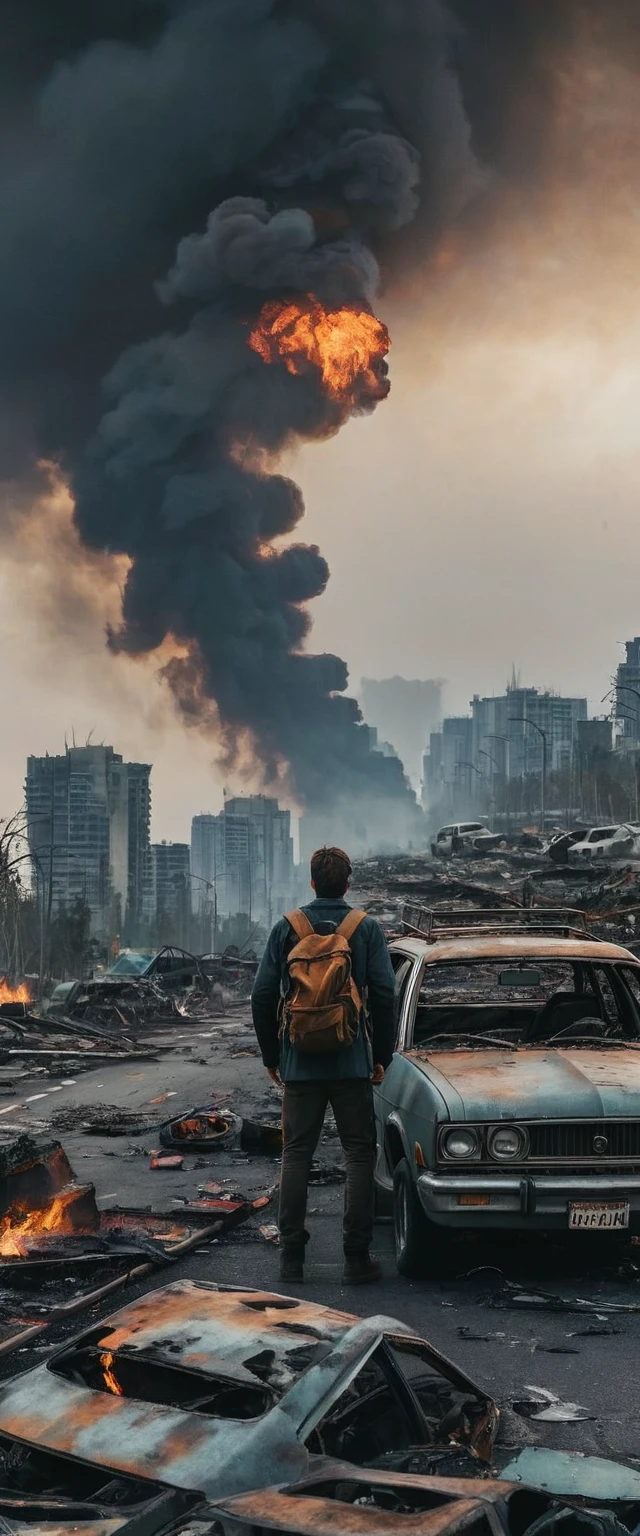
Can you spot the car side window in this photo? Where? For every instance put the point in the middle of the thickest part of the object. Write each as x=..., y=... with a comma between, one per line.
x=631, y=976
x=615, y=1006
x=403, y=967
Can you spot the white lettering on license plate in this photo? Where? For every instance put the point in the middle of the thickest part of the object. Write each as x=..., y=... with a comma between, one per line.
x=588, y=1217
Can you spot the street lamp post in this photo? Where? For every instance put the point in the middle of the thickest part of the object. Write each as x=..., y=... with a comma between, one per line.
x=210, y=885
x=463, y=763
x=525, y=720
x=482, y=753
x=494, y=736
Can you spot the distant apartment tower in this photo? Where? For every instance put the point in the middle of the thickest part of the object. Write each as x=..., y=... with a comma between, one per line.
x=594, y=741
x=171, y=865
x=242, y=860
x=507, y=731
x=404, y=711
x=88, y=817
x=628, y=691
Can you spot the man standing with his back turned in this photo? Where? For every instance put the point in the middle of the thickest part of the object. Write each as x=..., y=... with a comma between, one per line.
x=323, y=1046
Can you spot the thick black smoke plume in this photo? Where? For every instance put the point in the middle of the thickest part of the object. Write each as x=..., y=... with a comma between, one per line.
x=170, y=165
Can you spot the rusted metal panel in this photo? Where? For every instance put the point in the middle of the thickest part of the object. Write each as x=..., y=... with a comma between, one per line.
x=527, y=946
x=95, y=1527
x=321, y=1517
x=314, y=1507
x=494, y=1084
x=209, y=1330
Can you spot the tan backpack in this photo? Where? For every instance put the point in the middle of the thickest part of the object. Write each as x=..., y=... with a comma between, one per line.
x=322, y=1009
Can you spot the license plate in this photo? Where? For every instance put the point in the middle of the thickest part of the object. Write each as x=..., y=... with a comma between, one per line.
x=590, y=1217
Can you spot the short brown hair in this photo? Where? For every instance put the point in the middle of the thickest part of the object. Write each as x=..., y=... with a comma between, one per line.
x=330, y=871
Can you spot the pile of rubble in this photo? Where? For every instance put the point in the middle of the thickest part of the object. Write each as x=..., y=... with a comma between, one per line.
x=609, y=898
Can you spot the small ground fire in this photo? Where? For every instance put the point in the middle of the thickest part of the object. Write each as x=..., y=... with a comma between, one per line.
x=21, y=1227
x=347, y=345
x=9, y=994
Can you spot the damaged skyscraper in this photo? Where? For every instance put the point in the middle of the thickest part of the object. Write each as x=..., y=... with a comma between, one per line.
x=242, y=860
x=88, y=816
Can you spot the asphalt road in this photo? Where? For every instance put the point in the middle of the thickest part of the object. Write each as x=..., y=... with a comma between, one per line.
x=470, y=1317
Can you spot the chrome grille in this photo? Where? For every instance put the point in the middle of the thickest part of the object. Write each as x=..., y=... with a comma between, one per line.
x=571, y=1140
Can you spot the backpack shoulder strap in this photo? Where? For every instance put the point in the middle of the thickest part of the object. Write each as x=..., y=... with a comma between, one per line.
x=350, y=923
x=300, y=923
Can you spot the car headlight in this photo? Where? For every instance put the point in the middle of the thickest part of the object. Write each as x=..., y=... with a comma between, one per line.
x=461, y=1141
x=507, y=1143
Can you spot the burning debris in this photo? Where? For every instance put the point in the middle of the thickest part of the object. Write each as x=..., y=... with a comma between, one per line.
x=73, y=1212
x=201, y=1130
x=10, y=995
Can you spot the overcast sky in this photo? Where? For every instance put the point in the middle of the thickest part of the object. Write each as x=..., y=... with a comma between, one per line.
x=486, y=515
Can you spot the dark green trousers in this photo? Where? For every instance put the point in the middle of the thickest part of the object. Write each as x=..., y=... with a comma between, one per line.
x=303, y=1110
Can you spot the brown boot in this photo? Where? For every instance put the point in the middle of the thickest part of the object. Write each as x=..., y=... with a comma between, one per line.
x=361, y=1269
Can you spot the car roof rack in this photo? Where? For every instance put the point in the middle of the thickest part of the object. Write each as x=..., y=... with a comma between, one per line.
x=434, y=923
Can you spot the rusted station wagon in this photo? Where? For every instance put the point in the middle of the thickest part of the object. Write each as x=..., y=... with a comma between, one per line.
x=513, y=1098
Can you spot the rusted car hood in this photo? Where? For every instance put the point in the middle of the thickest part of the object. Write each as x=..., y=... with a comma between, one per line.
x=536, y=1082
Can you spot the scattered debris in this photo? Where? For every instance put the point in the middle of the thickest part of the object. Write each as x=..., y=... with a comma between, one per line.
x=260, y=1137
x=570, y=1474
x=202, y=1130
x=544, y=1405
x=164, y=1160
x=270, y=1233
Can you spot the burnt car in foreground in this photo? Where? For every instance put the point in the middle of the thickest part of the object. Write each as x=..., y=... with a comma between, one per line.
x=194, y=1392
x=198, y=1411
x=513, y=1099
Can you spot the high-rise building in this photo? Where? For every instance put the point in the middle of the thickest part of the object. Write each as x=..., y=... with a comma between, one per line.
x=171, y=864
x=594, y=741
x=628, y=692
x=508, y=731
x=404, y=711
x=448, y=775
x=242, y=860
x=88, y=815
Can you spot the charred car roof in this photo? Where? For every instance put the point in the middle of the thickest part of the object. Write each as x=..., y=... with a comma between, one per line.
x=219, y=1391
x=475, y=946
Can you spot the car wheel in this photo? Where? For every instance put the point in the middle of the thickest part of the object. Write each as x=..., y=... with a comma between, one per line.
x=412, y=1235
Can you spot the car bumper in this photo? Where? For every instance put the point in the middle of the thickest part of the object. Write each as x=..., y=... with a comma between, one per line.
x=537, y=1201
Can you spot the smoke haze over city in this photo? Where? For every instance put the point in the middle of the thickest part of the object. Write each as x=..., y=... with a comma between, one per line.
x=484, y=514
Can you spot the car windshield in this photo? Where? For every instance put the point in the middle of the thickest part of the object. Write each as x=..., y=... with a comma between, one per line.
x=523, y=1001
x=131, y=963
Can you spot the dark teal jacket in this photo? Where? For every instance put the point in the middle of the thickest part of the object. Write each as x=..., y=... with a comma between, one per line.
x=374, y=978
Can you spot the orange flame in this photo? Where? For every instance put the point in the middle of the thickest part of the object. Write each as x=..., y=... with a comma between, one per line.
x=110, y=1380
x=346, y=345
x=14, y=994
x=19, y=1224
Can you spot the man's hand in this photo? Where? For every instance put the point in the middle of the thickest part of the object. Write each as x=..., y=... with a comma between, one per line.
x=276, y=1078
x=378, y=1073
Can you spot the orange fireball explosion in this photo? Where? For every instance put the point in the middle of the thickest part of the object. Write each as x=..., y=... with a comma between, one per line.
x=13, y=994
x=347, y=345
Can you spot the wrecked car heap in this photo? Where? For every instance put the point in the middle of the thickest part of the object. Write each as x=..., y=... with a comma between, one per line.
x=224, y=1411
